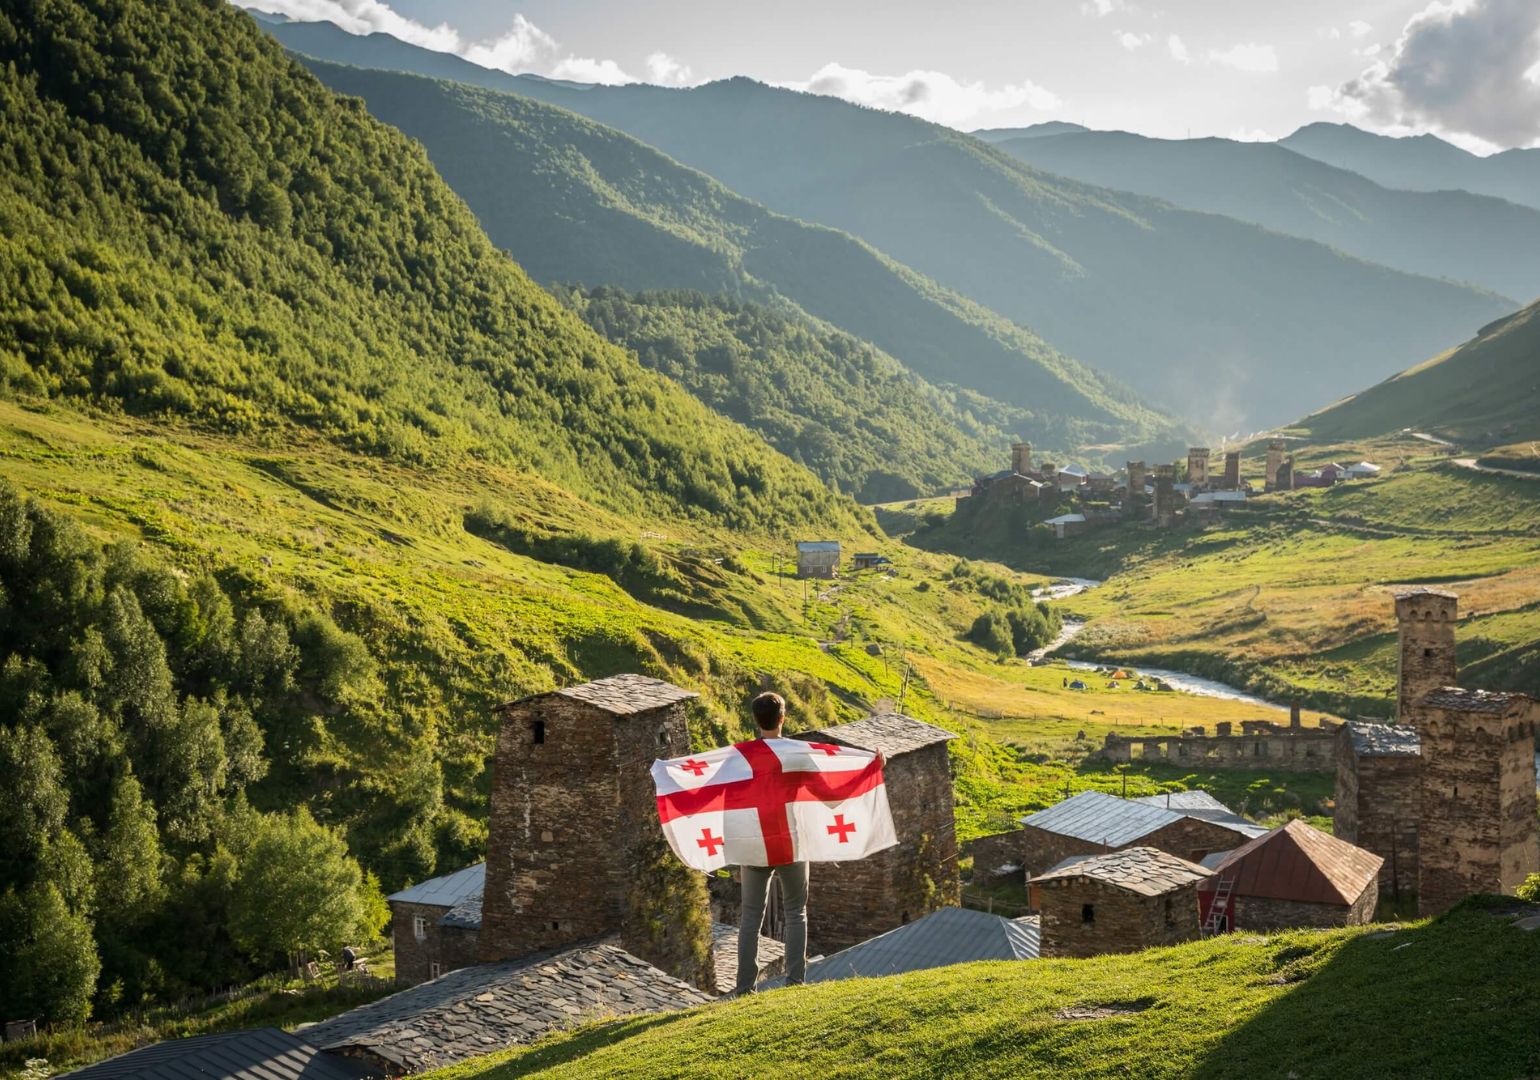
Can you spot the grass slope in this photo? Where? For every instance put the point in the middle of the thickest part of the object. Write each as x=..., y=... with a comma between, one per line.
x=1455, y=996
x=574, y=201
x=1233, y=323
x=1483, y=392
x=1446, y=234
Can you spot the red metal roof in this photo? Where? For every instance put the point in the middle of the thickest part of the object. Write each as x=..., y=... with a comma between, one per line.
x=1297, y=862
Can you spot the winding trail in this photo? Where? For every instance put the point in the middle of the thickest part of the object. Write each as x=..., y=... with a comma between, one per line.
x=1471, y=464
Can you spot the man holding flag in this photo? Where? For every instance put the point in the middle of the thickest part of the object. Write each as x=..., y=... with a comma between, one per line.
x=771, y=806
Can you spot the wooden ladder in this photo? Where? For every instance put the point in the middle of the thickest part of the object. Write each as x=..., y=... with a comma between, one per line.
x=1219, y=907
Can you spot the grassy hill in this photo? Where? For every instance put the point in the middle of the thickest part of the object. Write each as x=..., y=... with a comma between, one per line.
x=1228, y=322
x=1483, y=392
x=1449, y=234
x=574, y=201
x=1454, y=996
x=1421, y=162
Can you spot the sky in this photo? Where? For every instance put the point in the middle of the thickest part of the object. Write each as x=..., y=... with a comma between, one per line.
x=1467, y=70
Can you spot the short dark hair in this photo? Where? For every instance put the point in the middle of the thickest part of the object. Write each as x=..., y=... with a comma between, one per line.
x=769, y=710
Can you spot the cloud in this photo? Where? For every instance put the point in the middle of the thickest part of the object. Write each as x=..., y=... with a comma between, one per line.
x=523, y=47
x=1358, y=28
x=1251, y=135
x=1246, y=57
x=1133, y=42
x=1178, y=50
x=1469, y=69
x=1101, y=8
x=930, y=95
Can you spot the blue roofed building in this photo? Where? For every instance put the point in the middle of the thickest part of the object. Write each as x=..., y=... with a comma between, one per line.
x=435, y=924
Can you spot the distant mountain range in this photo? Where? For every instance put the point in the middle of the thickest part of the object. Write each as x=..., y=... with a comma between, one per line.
x=1451, y=234
x=1031, y=131
x=1231, y=323
x=1485, y=392
x=1422, y=162
x=574, y=201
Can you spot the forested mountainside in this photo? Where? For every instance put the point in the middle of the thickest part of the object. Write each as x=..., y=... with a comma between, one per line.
x=1485, y=392
x=301, y=476
x=1450, y=234
x=1421, y=162
x=577, y=202
x=846, y=410
x=194, y=227
x=1233, y=323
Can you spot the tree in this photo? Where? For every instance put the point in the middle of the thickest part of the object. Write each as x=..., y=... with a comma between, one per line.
x=128, y=878
x=33, y=801
x=299, y=890
x=49, y=962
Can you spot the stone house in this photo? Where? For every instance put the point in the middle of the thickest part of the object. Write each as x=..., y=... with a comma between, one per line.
x=1120, y=902
x=818, y=558
x=574, y=847
x=1294, y=876
x=858, y=900
x=1376, y=797
x=1189, y=825
x=434, y=924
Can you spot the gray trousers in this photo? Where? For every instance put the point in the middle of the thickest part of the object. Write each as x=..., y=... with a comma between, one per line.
x=756, y=888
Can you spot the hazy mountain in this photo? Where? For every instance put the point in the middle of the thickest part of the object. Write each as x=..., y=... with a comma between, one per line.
x=1233, y=324
x=1031, y=131
x=1485, y=391
x=574, y=201
x=1421, y=162
x=1453, y=234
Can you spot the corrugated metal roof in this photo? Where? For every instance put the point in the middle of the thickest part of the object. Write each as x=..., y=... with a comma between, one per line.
x=892, y=733
x=948, y=936
x=259, y=1054
x=1102, y=819
x=1197, y=799
x=447, y=890
x=818, y=545
x=1143, y=870
x=1300, y=863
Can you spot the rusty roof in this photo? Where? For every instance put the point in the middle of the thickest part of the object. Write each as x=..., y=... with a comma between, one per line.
x=619, y=695
x=1457, y=699
x=1143, y=870
x=892, y=733
x=1300, y=863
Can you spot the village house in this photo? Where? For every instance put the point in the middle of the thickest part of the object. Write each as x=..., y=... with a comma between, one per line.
x=1292, y=876
x=818, y=558
x=1120, y=902
x=951, y=935
x=256, y=1054
x=1376, y=797
x=859, y=900
x=434, y=924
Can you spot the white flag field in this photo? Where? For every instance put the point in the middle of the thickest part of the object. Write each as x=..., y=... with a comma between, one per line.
x=769, y=802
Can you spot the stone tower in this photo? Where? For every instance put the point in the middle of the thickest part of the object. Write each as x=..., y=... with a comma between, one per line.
x=1165, y=495
x=1232, y=470
x=574, y=839
x=1274, y=461
x=1197, y=466
x=1021, y=457
x=1477, y=832
x=1426, y=618
x=1136, y=478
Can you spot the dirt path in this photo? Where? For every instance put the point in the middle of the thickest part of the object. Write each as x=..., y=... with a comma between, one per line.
x=1471, y=464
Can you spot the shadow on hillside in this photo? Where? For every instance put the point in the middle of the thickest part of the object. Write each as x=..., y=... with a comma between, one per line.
x=566, y=1050
x=1455, y=997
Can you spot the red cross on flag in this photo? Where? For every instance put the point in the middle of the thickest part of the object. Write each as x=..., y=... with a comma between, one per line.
x=768, y=802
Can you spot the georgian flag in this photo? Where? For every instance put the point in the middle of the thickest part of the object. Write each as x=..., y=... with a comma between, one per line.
x=768, y=802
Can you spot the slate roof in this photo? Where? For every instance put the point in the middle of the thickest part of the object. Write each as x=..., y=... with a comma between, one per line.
x=619, y=695
x=1300, y=863
x=947, y=936
x=1456, y=699
x=1402, y=594
x=1143, y=870
x=1383, y=740
x=259, y=1054
x=466, y=915
x=724, y=954
x=1104, y=819
x=476, y=1010
x=892, y=733
x=446, y=890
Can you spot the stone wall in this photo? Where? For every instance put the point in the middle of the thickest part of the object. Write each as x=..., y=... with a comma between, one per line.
x=574, y=829
x=1266, y=913
x=1478, y=827
x=1283, y=750
x=849, y=902
x=1377, y=809
x=449, y=947
x=1191, y=839
x=1122, y=921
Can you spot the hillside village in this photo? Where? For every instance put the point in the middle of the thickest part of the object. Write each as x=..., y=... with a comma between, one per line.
x=435, y=452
